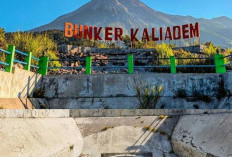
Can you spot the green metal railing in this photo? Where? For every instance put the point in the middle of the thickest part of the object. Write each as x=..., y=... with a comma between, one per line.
x=219, y=64
x=43, y=62
x=42, y=66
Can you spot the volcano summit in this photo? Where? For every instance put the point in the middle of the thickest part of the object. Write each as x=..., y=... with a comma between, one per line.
x=129, y=14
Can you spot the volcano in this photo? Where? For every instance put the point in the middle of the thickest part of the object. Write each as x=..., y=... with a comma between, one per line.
x=129, y=14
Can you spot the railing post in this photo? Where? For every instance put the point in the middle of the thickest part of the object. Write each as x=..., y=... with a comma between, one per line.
x=88, y=68
x=28, y=61
x=173, y=64
x=10, y=59
x=130, y=63
x=219, y=64
x=43, y=65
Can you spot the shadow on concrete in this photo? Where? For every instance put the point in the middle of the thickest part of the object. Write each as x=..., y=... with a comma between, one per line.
x=19, y=91
x=28, y=91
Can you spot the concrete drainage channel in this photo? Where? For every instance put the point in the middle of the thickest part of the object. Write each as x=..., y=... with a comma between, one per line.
x=113, y=133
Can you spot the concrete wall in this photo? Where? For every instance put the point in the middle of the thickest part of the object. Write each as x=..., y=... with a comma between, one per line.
x=127, y=135
x=117, y=91
x=207, y=135
x=19, y=84
x=204, y=135
x=26, y=133
x=53, y=133
x=111, y=91
x=120, y=85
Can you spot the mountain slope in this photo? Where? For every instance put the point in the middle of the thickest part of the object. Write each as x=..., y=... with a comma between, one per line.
x=135, y=14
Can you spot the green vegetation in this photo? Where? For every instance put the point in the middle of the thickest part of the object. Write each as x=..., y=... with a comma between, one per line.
x=37, y=44
x=2, y=44
x=154, y=130
x=147, y=128
x=71, y=147
x=161, y=116
x=107, y=127
x=146, y=93
x=48, y=41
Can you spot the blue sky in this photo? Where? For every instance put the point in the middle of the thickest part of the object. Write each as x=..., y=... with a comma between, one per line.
x=27, y=14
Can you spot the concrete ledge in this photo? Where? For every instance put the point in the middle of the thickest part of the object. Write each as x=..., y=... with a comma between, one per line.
x=22, y=103
x=34, y=113
x=64, y=113
x=141, y=112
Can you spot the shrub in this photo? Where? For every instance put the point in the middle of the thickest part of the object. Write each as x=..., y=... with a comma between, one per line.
x=161, y=117
x=154, y=130
x=37, y=44
x=147, y=94
x=164, y=51
x=105, y=128
x=2, y=45
x=147, y=128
